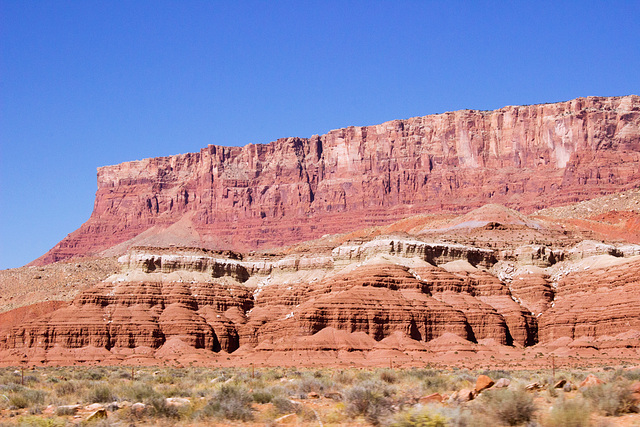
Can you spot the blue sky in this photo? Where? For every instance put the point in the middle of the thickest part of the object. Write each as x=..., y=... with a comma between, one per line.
x=90, y=83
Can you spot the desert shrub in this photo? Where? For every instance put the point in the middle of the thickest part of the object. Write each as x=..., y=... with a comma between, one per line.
x=496, y=374
x=282, y=405
x=123, y=374
x=230, y=401
x=36, y=421
x=161, y=409
x=10, y=378
x=175, y=390
x=273, y=374
x=611, y=398
x=419, y=417
x=101, y=393
x=262, y=396
x=309, y=384
x=345, y=377
x=575, y=377
x=65, y=388
x=139, y=392
x=568, y=413
x=31, y=379
x=511, y=407
x=421, y=374
x=93, y=374
x=631, y=374
x=389, y=376
x=306, y=414
x=460, y=416
x=435, y=384
x=369, y=399
x=65, y=410
x=24, y=397
x=551, y=390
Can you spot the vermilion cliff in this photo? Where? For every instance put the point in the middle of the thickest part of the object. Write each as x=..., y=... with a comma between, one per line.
x=295, y=189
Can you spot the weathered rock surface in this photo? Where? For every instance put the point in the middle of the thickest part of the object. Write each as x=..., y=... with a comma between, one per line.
x=381, y=297
x=467, y=284
x=596, y=302
x=138, y=314
x=295, y=189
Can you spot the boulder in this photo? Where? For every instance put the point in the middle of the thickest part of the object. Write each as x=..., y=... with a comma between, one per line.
x=94, y=407
x=483, y=382
x=502, y=383
x=591, y=381
x=533, y=386
x=461, y=396
x=431, y=398
x=97, y=415
x=178, y=402
x=560, y=383
x=139, y=408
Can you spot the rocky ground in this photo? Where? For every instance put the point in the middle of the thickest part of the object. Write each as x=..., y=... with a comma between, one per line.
x=293, y=396
x=60, y=281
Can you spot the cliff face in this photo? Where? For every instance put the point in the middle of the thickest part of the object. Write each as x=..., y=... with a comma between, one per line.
x=295, y=189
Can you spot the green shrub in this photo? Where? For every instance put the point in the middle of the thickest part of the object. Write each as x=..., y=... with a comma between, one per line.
x=436, y=384
x=262, y=396
x=24, y=397
x=36, y=421
x=421, y=374
x=569, y=413
x=611, y=398
x=422, y=417
x=139, y=392
x=100, y=393
x=511, y=407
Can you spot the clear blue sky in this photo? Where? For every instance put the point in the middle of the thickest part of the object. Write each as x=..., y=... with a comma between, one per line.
x=91, y=83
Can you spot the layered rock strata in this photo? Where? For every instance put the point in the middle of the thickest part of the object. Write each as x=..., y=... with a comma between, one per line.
x=295, y=189
x=595, y=303
x=213, y=302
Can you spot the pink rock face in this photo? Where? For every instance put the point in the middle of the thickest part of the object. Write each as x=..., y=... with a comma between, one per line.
x=296, y=189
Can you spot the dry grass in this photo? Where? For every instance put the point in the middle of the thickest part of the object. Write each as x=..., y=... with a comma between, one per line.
x=334, y=397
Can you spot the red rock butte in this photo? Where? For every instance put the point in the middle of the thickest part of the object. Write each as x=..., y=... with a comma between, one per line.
x=295, y=189
x=442, y=259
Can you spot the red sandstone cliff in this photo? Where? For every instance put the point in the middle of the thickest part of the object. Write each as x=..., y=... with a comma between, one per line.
x=296, y=189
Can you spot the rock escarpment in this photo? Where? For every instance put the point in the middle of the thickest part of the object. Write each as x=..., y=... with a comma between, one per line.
x=295, y=189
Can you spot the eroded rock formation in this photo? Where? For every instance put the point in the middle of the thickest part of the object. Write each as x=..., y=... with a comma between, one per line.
x=295, y=189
